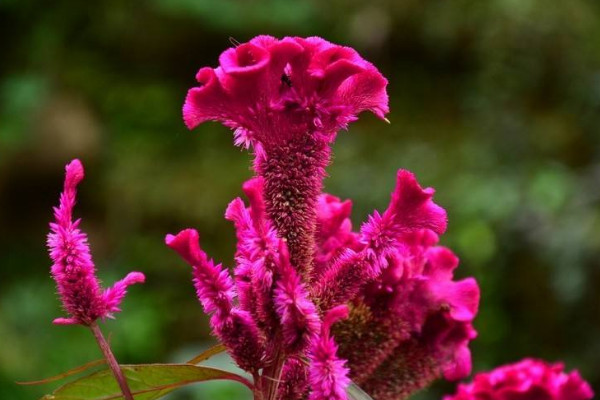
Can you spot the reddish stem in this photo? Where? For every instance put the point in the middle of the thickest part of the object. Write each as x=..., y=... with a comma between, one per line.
x=112, y=361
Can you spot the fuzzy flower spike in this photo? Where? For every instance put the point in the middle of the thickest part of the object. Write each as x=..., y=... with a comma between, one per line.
x=73, y=269
x=287, y=99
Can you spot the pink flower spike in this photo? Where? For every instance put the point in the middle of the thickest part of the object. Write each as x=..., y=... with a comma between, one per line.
x=115, y=294
x=256, y=257
x=235, y=328
x=214, y=286
x=73, y=268
x=411, y=209
x=328, y=374
x=526, y=379
x=299, y=318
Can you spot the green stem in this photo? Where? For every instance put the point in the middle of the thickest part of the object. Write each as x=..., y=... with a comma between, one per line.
x=112, y=361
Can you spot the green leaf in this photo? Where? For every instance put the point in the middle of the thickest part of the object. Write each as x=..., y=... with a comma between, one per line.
x=208, y=353
x=146, y=381
x=65, y=374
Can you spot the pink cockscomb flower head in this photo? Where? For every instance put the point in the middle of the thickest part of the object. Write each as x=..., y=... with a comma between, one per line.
x=409, y=322
x=524, y=380
x=272, y=91
x=328, y=374
x=299, y=265
x=287, y=99
x=73, y=269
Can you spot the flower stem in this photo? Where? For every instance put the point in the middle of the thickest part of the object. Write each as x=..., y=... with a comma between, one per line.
x=112, y=361
x=274, y=376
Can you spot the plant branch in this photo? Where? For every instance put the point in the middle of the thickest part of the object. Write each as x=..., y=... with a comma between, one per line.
x=112, y=361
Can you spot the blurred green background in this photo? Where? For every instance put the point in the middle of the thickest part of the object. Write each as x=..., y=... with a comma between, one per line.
x=494, y=103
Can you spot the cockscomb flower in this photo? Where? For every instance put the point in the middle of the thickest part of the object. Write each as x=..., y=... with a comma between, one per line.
x=287, y=99
x=299, y=265
x=73, y=269
x=526, y=379
x=273, y=91
x=409, y=321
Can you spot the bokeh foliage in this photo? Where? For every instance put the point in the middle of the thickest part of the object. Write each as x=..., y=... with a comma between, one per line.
x=494, y=103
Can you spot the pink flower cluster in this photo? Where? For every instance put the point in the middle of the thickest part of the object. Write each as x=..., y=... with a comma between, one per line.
x=299, y=267
x=73, y=268
x=528, y=379
x=312, y=305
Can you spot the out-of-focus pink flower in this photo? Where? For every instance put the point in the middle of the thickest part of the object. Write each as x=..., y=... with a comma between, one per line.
x=215, y=290
x=328, y=374
x=525, y=380
x=73, y=269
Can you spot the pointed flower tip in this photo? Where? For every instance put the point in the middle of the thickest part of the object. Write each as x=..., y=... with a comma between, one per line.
x=235, y=210
x=334, y=315
x=134, y=277
x=186, y=244
x=65, y=321
x=74, y=173
x=113, y=296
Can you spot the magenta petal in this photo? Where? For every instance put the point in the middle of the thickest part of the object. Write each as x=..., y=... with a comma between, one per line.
x=244, y=60
x=270, y=91
x=463, y=298
x=441, y=263
x=366, y=91
x=186, y=245
x=207, y=102
x=74, y=174
x=460, y=366
x=336, y=73
x=412, y=207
